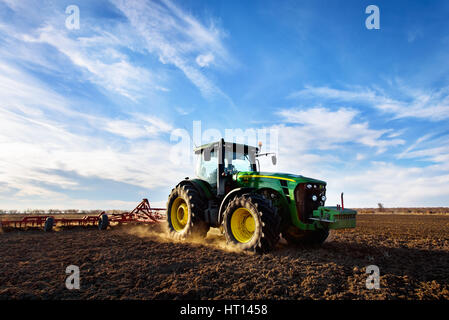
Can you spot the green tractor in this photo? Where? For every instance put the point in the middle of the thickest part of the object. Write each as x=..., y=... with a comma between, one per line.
x=252, y=208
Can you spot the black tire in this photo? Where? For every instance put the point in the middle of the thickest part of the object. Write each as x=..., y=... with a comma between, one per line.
x=266, y=223
x=48, y=225
x=307, y=237
x=194, y=226
x=103, y=222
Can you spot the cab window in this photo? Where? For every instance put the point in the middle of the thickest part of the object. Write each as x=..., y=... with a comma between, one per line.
x=206, y=168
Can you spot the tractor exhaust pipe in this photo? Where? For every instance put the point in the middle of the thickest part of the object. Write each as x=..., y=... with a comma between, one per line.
x=342, y=203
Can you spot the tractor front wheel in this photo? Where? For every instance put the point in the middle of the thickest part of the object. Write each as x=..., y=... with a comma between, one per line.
x=251, y=223
x=185, y=210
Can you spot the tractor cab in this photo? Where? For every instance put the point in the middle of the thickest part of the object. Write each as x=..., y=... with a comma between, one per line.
x=217, y=162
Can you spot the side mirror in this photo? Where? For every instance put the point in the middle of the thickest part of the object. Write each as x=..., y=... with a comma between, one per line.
x=274, y=160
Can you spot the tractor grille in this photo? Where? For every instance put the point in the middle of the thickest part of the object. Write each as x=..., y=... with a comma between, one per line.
x=344, y=216
x=305, y=204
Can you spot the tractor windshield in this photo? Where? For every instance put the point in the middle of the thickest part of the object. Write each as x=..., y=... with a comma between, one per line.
x=235, y=161
x=237, y=157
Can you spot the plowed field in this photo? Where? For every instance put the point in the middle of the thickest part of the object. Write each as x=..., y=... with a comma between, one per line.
x=411, y=251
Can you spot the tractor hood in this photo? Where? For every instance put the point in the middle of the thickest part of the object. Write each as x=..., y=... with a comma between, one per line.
x=251, y=176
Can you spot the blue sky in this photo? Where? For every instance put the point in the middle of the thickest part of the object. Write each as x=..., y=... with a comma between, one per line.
x=89, y=116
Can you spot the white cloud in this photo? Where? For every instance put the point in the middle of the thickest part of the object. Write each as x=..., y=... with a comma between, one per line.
x=392, y=185
x=139, y=126
x=37, y=148
x=204, y=60
x=22, y=92
x=178, y=39
x=429, y=148
x=16, y=5
x=125, y=129
x=96, y=55
x=25, y=164
x=431, y=105
x=160, y=28
x=323, y=129
x=330, y=93
x=153, y=124
x=184, y=111
x=412, y=35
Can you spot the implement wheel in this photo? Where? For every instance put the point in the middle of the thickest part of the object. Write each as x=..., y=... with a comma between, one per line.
x=103, y=222
x=49, y=222
x=251, y=223
x=185, y=212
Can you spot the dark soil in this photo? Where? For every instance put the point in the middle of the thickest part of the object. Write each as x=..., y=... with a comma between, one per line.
x=411, y=251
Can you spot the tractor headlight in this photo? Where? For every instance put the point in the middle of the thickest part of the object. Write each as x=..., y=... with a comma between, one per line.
x=314, y=198
x=309, y=186
x=323, y=198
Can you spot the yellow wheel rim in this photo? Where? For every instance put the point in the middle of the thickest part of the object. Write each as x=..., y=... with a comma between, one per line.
x=179, y=214
x=242, y=225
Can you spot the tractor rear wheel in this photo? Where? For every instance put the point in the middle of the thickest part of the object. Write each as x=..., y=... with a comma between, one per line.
x=295, y=236
x=185, y=210
x=251, y=223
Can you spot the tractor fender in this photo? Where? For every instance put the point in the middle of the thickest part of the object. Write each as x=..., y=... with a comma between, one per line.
x=197, y=185
x=229, y=197
x=202, y=187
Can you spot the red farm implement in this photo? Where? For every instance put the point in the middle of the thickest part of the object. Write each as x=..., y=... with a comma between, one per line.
x=142, y=214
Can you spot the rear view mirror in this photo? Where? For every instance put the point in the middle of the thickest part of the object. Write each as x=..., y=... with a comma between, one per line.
x=274, y=160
